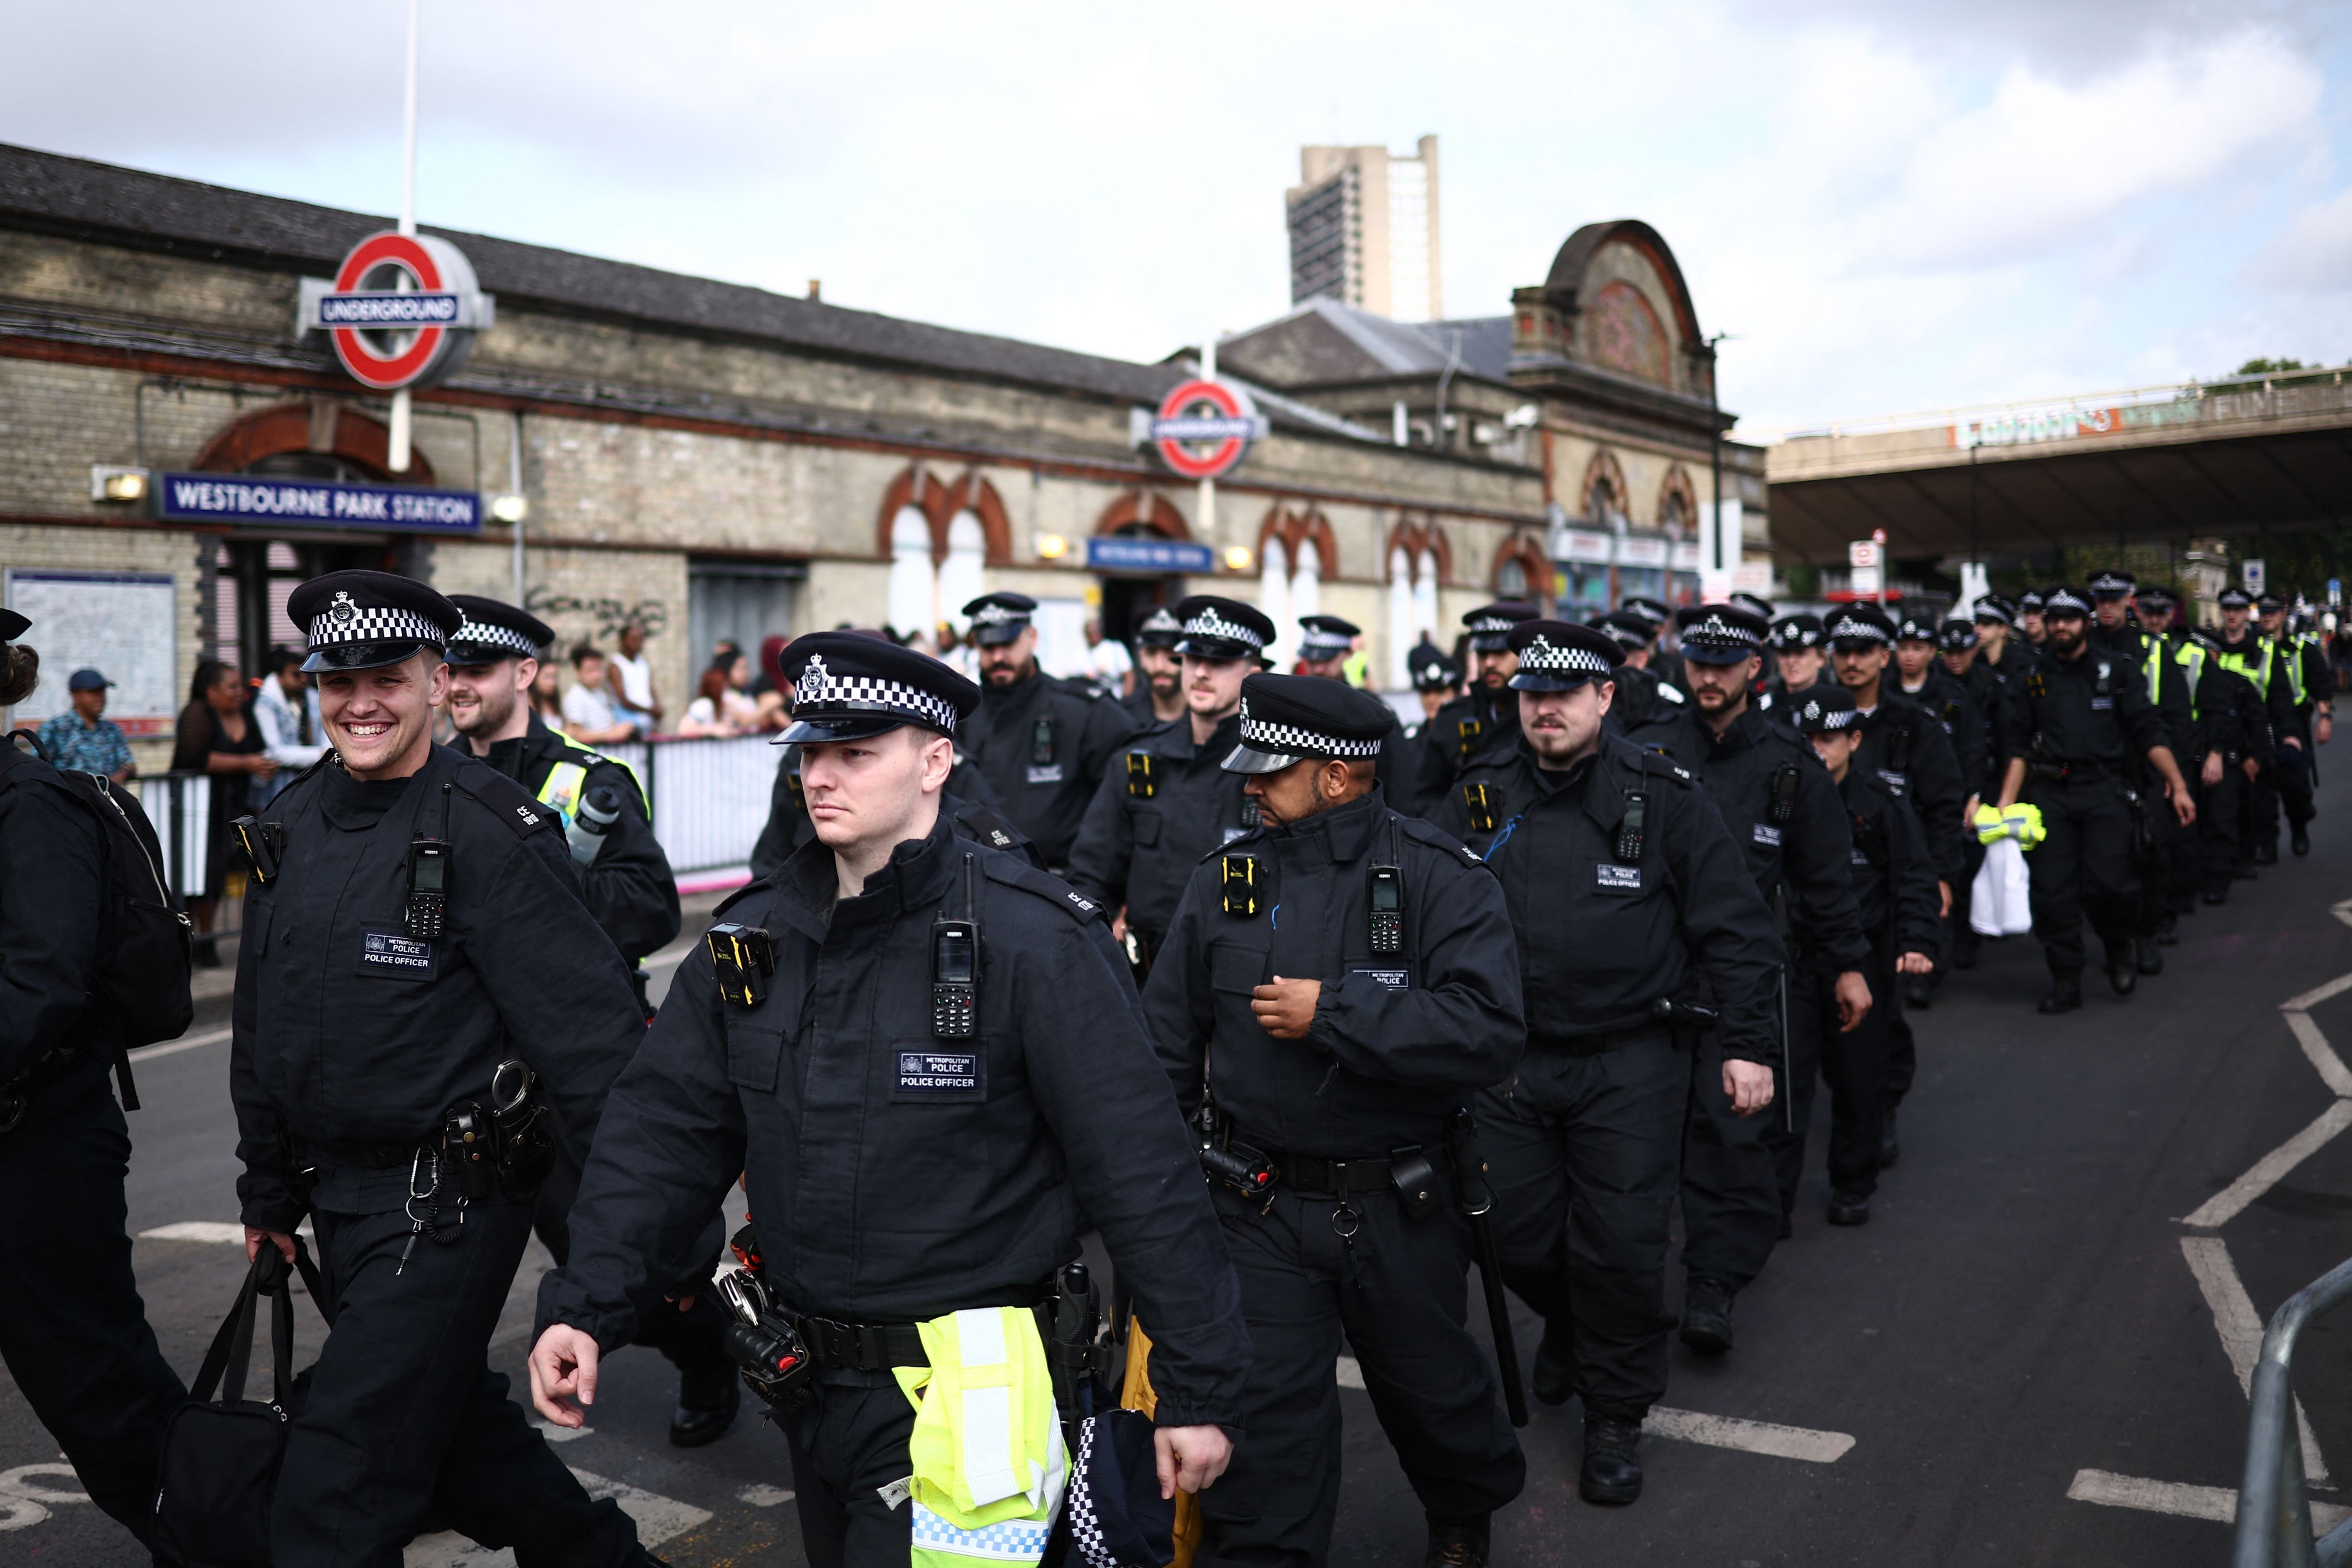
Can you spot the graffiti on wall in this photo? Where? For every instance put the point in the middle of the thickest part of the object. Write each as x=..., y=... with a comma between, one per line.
x=609, y=615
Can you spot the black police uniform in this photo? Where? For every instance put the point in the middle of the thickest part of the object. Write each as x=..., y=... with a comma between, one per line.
x=1400, y=1039
x=970, y=807
x=1615, y=925
x=2257, y=659
x=1162, y=806
x=1043, y=744
x=2232, y=719
x=1432, y=671
x=355, y=1038
x=1160, y=629
x=894, y=1176
x=2158, y=843
x=73, y=1330
x=1894, y=883
x=1781, y=808
x=2081, y=726
x=1482, y=719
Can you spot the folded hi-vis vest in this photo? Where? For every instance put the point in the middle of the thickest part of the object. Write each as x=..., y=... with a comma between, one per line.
x=989, y=1461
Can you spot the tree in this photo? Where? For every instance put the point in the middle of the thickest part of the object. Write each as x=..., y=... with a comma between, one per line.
x=2266, y=367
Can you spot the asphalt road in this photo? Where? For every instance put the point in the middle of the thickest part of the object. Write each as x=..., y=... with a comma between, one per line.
x=2029, y=1313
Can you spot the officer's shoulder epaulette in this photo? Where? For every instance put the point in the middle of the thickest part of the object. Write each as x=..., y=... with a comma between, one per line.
x=1438, y=839
x=1079, y=686
x=1011, y=870
x=501, y=797
x=1245, y=836
x=758, y=885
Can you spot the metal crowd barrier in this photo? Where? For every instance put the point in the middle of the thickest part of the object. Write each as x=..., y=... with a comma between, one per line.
x=709, y=796
x=2273, y=1499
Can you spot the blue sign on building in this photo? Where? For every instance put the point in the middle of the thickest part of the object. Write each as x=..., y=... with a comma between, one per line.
x=1122, y=553
x=316, y=504
x=387, y=309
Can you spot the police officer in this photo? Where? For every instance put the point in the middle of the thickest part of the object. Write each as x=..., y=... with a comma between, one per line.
x=1782, y=811
x=2029, y=617
x=2081, y=718
x=970, y=805
x=1921, y=680
x=1042, y=743
x=1799, y=656
x=2211, y=739
x=2309, y=683
x=1627, y=897
x=1159, y=695
x=1487, y=715
x=1325, y=643
x=1641, y=692
x=1436, y=681
x=72, y=1329
x=625, y=876
x=2246, y=651
x=1660, y=661
x=1169, y=801
x=1336, y=983
x=628, y=884
x=1895, y=887
x=415, y=923
x=1958, y=642
x=928, y=1062
x=2117, y=632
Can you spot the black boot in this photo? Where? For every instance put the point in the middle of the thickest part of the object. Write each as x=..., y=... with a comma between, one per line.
x=2266, y=854
x=1916, y=994
x=2065, y=994
x=2301, y=843
x=1554, y=1377
x=1613, y=1469
x=2148, y=958
x=1707, y=1316
x=1458, y=1541
x=2123, y=974
x=1849, y=1208
x=2168, y=933
x=707, y=1403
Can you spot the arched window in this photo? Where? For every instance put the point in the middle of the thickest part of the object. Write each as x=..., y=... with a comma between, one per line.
x=1511, y=577
x=1305, y=593
x=913, y=584
x=1401, y=625
x=961, y=579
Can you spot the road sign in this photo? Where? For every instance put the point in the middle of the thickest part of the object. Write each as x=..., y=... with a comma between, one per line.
x=1203, y=428
x=2256, y=574
x=1864, y=553
x=402, y=312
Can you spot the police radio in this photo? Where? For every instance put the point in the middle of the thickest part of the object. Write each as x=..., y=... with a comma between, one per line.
x=429, y=879
x=741, y=960
x=1785, y=781
x=1630, y=828
x=1385, y=906
x=1041, y=743
x=955, y=971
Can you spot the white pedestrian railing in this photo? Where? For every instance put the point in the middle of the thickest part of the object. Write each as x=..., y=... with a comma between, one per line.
x=709, y=796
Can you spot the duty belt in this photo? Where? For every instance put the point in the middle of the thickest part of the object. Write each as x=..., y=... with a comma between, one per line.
x=368, y=1155
x=1331, y=1178
x=838, y=1346
x=2064, y=771
x=1601, y=1043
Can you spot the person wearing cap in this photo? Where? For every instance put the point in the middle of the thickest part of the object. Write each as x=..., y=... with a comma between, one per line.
x=1169, y=800
x=1043, y=744
x=1308, y=1043
x=1641, y=692
x=2079, y=722
x=1921, y=679
x=1636, y=917
x=2232, y=734
x=2116, y=632
x=1326, y=642
x=380, y=988
x=1799, y=655
x=2204, y=729
x=1486, y=716
x=902, y=1166
x=1783, y=813
x=1436, y=681
x=1159, y=695
x=1960, y=641
x=73, y=1332
x=2246, y=651
x=2311, y=686
x=1659, y=660
x=1894, y=884
x=2029, y=617
x=82, y=739
x=1759, y=608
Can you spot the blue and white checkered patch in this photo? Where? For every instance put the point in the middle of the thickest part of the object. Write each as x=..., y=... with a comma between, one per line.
x=1013, y=1540
x=1294, y=740
x=487, y=634
x=1540, y=654
x=1209, y=623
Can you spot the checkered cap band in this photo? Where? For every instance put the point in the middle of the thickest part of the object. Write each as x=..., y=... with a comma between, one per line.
x=1086, y=1525
x=2065, y=599
x=1540, y=654
x=995, y=614
x=819, y=693
x=1721, y=633
x=1209, y=623
x=1844, y=718
x=344, y=623
x=1489, y=624
x=1296, y=740
x=1322, y=644
x=484, y=634
x=2111, y=583
x=1854, y=629
x=1160, y=621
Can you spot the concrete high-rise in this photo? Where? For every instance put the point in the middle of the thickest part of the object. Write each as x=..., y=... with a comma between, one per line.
x=1363, y=230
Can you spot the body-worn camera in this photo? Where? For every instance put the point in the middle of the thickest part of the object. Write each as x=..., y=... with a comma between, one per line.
x=762, y=1341
x=264, y=844
x=1142, y=774
x=1238, y=882
x=743, y=958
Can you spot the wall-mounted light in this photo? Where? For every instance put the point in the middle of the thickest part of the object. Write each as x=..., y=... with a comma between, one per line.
x=110, y=483
x=1052, y=547
x=1523, y=417
x=509, y=510
x=1237, y=557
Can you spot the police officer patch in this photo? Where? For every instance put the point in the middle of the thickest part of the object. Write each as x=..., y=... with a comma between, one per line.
x=1612, y=878
x=394, y=955
x=939, y=1075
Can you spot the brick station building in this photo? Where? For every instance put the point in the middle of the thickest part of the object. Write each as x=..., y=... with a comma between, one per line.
x=709, y=459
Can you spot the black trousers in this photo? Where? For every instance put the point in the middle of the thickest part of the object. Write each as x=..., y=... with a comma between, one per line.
x=2082, y=868
x=1583, y=1153
x=2283, y=782
x=847, y=1441
x=405, y=1418
x=689, y=1341
x=2221, y=841
x=1397, y=1289
x=1730, y=1188
x=73, y=1330
x=1855, y=1067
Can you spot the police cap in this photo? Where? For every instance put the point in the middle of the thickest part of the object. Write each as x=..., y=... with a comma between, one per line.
x=1648, y=609
x=1956, y=634
x=1995, y=608
x=1860, y=626
x=2233, y=599
x=1490, y=624
x=1720, y=633
x=2112, y=583
x=366, y=620
x=1432, y=671
x=2030, y=602
x=2065, y=600
x=495, y=630
x=13, y=625
x=1559, y=656
x=1753, y=605
x=2155, y=596
x=999, y=617
x=1290, y=718
x=848, y=685
x=2269, y=604
x=1326, y=636
x=1160, y=629
x=1625, y=628
x=1216, y=627
x=1825, y=707
x=1914, y=629
x=1802, y=630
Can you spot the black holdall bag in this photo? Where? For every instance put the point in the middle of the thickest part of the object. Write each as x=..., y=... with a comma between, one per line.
x=218, y=1477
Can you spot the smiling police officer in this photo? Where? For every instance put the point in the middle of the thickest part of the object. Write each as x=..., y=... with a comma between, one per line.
x=928, y=1059
x=1335, y=986
x=417, y=973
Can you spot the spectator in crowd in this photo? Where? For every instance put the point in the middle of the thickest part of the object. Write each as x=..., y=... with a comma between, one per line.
x=956, y=653
x=288, y=711
x=218, y=735
x=719, y=709
x=81, y=740
x=772, y=694
x=1109, y=663
x=547, y=695
x=629, y=683
x=591, y=717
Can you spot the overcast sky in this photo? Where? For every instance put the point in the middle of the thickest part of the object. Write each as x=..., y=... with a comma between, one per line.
x=2006, y=199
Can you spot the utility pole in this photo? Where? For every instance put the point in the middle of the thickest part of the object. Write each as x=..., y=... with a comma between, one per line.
x=402, y=414
x=1715, y=443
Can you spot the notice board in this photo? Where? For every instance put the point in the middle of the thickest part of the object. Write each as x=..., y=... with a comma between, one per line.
x=119, y=623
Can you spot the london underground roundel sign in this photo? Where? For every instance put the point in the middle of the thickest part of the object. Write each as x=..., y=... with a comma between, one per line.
x=402, y=312
x=1203, y=428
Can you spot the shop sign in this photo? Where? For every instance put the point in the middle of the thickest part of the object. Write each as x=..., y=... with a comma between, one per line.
x=1124, y=552
x=316, y=504
x=402, y=312
x=1203, y=428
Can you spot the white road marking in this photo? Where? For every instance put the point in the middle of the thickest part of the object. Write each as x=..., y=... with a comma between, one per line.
x=185, y=1042
x=1749, y=1437
x=2343, y=911
x=18, y=1483
x=2335, y=988
x=211, y=1231
x=658, y=1519
x=1351, y=1373
x=2229, y=1203
x=2240, y=1328
x=2330, y=1066
x=555, y=1434
x=764, y=1497
x=2219, y=1504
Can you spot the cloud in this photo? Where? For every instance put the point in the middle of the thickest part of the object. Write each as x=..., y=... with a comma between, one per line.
x=2312, y=253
